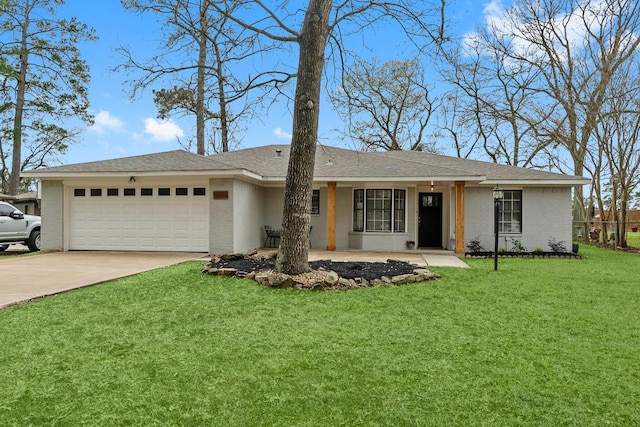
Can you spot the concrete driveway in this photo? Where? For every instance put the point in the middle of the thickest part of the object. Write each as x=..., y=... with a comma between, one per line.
x=24, y=278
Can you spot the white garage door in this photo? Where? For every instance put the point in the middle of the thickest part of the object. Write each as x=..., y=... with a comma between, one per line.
x=139, y=219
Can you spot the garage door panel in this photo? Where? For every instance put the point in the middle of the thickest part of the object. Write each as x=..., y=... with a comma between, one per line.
x=163, y=226
x=147, y=243
x=139, y=223
x=129, y=226
x=182, y=226
x=113, y=243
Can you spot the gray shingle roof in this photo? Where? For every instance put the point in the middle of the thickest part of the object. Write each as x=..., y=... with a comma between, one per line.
x=331, y=163
x=178, y=160
x=492, y=171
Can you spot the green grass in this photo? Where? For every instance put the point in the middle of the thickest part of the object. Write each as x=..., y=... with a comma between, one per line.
x=633, y=239
x=540, y=342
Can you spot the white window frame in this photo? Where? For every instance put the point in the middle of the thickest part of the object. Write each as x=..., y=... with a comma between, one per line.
x=510, y=220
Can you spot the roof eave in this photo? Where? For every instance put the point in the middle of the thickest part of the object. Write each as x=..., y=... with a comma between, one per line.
x=378, y=178
x=537, y=182
x=209, y=173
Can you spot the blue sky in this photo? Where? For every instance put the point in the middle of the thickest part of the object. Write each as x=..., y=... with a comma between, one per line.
x=126, y=127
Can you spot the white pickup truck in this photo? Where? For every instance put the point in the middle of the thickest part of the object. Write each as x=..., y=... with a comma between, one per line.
x=16, y=227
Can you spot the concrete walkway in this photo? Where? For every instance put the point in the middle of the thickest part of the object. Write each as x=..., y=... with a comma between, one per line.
x=26, y=277
x=438, y=260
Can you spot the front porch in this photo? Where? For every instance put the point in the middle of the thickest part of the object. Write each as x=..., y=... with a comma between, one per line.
x=428, y=215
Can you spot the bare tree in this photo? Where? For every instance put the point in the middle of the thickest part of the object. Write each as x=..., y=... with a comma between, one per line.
x=576, y=48
x=617, y=165
x=385, y=106
x=324, y=23
x=493, y=99
x=195, y=67
x=44, y=82
x=451, y=126
x=536, y=78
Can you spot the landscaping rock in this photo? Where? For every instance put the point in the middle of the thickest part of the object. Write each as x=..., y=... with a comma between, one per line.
x=227, y=271
x=279, y=280
x=403, y=279
x=331, y=278
x=325, y=274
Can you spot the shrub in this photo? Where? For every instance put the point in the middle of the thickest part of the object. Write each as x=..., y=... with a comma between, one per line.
x=474, y=245
x=557, y=246
x=517, y=246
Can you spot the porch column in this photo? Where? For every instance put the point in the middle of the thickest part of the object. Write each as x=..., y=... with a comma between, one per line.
x=459, y=248
x=331, y=216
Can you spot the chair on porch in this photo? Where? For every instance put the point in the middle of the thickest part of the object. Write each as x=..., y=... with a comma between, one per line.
x=272, y=237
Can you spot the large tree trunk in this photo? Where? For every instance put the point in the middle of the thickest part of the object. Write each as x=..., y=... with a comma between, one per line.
x=293, y=256
x=202, y=60
x=16, y=155
x=222, y=102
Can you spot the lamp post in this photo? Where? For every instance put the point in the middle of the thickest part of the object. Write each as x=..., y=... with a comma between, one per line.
x=497, y=197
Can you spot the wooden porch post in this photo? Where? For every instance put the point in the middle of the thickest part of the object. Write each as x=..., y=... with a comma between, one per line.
x=331, y=216
x=459, y=248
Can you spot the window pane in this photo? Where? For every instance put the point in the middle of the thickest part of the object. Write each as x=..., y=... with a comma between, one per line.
x=315, y=202
x=511, y=212
x=164, y=191
x=378, y=210
x=358, y=210
x=79, y=192
x=181, y=191
x=399, y=211
x=129, y=191
x=96, y=192
x=112, y=192
x=199, y=191
x=146, y=191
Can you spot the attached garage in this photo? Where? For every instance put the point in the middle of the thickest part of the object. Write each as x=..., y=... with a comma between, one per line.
x=139, y=218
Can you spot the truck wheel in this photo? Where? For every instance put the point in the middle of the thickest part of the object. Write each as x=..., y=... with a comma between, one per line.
x=34, y=241
x=3, y=248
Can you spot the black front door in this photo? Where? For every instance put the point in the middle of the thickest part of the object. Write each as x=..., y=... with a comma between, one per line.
x=430, y=220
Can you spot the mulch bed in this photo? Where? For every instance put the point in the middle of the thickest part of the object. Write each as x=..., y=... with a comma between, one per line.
x=348, y=270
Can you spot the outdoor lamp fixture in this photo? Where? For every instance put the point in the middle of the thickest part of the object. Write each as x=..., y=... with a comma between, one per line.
x=497, y=197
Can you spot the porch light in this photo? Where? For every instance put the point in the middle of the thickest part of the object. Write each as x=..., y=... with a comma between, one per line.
x=497, y=197
x=497, y=193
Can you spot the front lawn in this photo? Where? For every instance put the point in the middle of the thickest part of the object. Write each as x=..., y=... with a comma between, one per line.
x=633, y=239
x=540, y=342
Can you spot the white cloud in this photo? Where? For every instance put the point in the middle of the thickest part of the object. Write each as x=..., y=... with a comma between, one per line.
x=493, y=8
x=105, y=122
x=493, y=14
x=575, y=28
x=162, y=131
x=279, y=133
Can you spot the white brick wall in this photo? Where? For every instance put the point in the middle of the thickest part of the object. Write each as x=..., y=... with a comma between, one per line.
x=248, y=211
x=52, y=212
x=546, y=214
x=221, y=218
